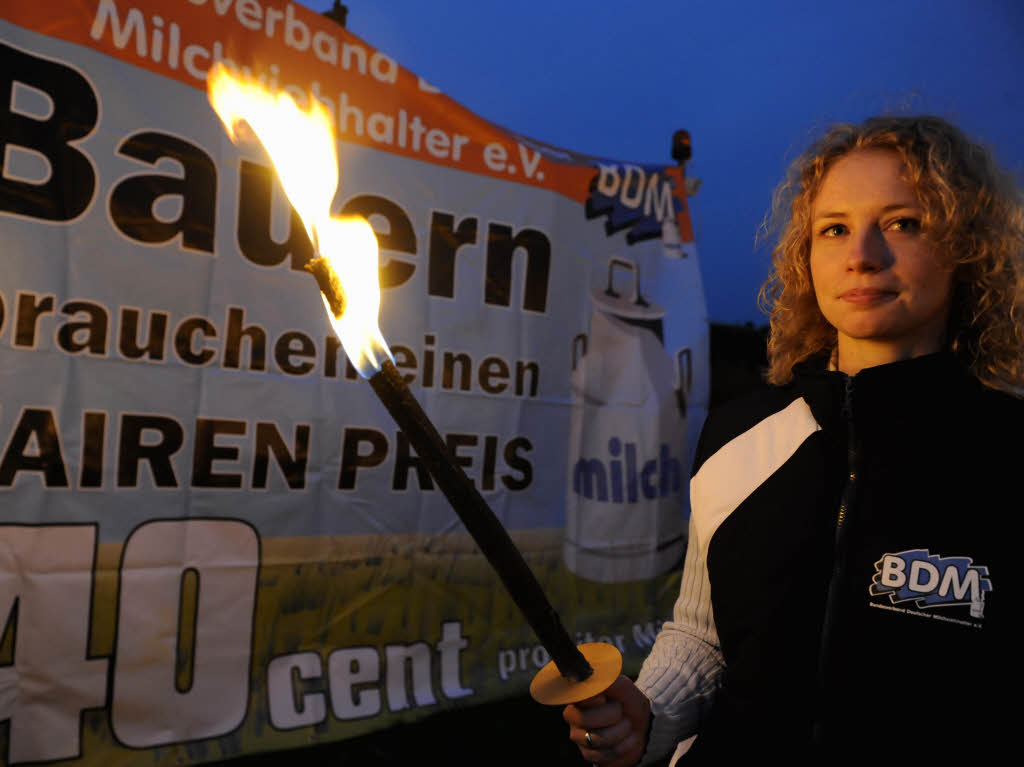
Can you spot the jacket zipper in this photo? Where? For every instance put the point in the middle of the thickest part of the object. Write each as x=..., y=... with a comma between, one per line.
x=838, y=560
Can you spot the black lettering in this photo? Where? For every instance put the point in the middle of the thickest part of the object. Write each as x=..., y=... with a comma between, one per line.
x=256, y=187
x=292, y=464
x=428, y=360
x=233, y=342
x=405, y=460
x=94, y=329
x=283, y=352
x=501, y=246
x=490, y=369
x=39, y=426
x=445, y=240
x=183, y=340
x=352, y=460
x=516, y=462
x=448, y=371
x=207, y=451
x=331, y=347
x=455, y=441
x=131, y=450
x=522, y=368
x=405, y=359
x=399, y=236
x=128, y=339
x=69, y=188
x=133, y=200
x=490, y=459
x=94, y=433
x=28, y=313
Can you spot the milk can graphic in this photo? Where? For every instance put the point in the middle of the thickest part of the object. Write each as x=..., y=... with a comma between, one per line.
x=627, y=449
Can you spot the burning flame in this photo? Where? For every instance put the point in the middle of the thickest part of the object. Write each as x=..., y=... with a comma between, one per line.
x=302, y=146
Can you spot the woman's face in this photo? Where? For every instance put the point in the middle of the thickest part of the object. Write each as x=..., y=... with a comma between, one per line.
x=877, y=279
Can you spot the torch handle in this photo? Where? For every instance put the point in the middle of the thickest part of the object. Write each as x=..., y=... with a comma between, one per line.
x=488, y=532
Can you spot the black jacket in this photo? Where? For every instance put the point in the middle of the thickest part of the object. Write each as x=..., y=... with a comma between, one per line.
x=863, y=593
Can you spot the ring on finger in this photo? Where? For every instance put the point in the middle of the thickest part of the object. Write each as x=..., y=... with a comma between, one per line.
x=588, y=738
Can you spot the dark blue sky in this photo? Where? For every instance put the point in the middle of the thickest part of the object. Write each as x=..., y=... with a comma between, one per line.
x=751, y=80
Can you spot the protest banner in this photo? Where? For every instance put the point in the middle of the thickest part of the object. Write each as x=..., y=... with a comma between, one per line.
x=213, y=539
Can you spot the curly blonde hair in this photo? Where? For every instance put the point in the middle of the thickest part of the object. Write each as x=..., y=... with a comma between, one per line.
x=974, y=215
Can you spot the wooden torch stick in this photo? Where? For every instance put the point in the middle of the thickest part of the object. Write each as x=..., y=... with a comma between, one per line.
x=488, y=532
x=577, y=676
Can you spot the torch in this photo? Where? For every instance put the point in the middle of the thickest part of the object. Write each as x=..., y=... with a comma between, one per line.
x=302, y=146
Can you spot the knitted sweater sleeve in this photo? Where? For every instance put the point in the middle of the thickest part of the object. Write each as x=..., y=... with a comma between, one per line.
x=681, y=674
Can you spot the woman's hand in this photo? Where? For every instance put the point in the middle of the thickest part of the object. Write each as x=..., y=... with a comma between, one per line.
x=611, y=728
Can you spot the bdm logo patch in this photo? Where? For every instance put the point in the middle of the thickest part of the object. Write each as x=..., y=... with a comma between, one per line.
x=929, y=581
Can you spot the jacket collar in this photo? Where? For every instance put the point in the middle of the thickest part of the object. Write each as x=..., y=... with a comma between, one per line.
x=896, y=392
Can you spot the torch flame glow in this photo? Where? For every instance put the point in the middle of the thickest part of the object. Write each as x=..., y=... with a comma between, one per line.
x=357, y=327
x=302, y=146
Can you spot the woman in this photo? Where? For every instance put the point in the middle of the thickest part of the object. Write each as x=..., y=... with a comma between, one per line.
x=851, y=571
